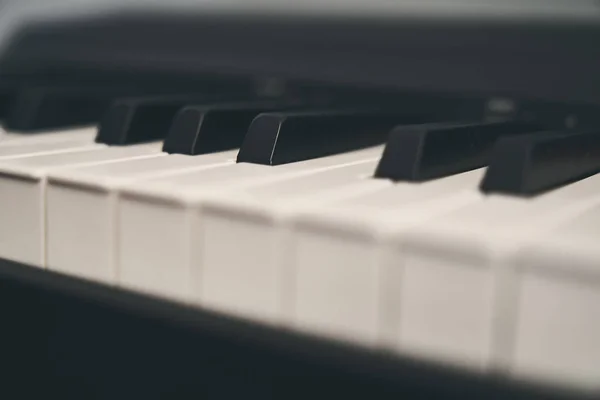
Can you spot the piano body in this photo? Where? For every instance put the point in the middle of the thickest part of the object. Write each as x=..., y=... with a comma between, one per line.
x=367, y=199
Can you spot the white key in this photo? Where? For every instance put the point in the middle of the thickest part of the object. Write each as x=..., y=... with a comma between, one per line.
x=243, y=236
x=338, y=253
x=26, y=150
x=23, y=190
x=455, y=297
x=87, y=134
x=158, y=220
x=59, y=142
x=557, y=333
x=81, y=209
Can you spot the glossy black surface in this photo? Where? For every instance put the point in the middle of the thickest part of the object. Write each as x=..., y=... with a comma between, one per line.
x=534, y=163
x=202, y=129
x=143, y=119
x=69, y=338
x=421, y=152
x=285, y=137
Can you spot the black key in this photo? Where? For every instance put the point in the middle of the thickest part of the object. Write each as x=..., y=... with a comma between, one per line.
x=40, y=108
x=142, y=119
x=201, y=129
x=531, y=164
x=422, y=152
x=34, y=108
x=284, y=137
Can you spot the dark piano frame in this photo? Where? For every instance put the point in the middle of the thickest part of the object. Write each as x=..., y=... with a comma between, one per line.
x=73, y=338
x=551, y=57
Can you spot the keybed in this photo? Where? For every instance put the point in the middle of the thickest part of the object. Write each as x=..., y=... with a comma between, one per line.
x=465, y=243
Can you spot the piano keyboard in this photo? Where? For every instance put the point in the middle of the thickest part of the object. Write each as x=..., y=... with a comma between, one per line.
x=469, y=244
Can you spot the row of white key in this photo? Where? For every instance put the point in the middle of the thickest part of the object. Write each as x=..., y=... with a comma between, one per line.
x=99, y=194
x=451, y=286
x=89, y=197
x=26, y=160
x=369, y=268
x=476, y=250
x=435, y=269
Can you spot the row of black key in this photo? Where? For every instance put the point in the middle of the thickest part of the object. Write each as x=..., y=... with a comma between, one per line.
x=267, y=132
x=522, y=158
x=30, y=108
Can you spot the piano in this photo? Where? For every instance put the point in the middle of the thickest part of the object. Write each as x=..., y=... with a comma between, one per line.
x=255, y=198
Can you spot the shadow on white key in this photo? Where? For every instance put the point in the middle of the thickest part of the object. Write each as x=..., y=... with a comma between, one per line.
x=158, y=220
x=23, y=190
x=557, y=332
x=81, y=209
x=251, y=280
x=456, y=294
x=336, y=253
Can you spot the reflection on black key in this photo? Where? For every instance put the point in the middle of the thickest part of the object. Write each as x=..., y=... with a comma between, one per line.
x=39, y=108
x=421, y=152
x=204, y=129
x=534, y=163
x=137, y=120
x=284, y=137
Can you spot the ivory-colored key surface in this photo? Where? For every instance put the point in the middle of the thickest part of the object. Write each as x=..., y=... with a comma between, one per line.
x=337, y=253
x=243, y=238
x=26, y=150
x=158, y=220
x=457, y=295
x=557, y=325
x=86, y=134
x=23, y=188
x=81, y=209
